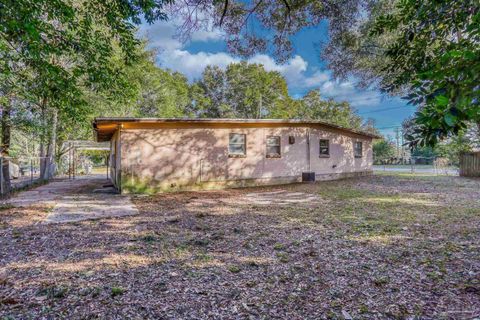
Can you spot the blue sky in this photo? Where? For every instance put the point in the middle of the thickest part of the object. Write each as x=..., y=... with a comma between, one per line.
x=304, y=71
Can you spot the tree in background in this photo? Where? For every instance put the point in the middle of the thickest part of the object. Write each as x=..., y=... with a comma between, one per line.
x=313, y=106
x=383, y=150
x=466, y=140
x=209, y=95
x=256, y=93
x=241, y=91
x=49, y=49
x=249, y=91
x=142, y=89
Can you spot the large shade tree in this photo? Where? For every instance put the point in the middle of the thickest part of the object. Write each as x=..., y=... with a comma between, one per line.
x=282, y=18
x=49, y=49
x=426, y=51
x=243, y=90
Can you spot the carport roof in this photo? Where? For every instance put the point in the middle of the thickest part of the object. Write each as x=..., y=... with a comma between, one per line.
x=106, y=127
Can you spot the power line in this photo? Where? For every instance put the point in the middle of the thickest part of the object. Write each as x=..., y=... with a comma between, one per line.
x=391, y=127
x=381, y=110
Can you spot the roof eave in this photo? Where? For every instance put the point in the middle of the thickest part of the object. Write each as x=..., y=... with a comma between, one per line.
x=119, y=120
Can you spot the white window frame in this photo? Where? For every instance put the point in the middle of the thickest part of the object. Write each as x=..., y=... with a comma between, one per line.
x=355, y=149
x=279, y=145
x=323, y=155
x=236, y=154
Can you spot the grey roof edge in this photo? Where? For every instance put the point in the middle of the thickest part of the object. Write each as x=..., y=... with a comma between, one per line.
x=231, y=120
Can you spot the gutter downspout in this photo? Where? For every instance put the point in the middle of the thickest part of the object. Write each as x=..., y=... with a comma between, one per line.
x=309, y=164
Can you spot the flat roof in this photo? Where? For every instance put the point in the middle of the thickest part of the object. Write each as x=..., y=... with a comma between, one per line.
x=105, y=127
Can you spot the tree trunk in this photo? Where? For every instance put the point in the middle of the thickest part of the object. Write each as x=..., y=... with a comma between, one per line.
x=6, y=129
x=50, y=156
x=43, y=138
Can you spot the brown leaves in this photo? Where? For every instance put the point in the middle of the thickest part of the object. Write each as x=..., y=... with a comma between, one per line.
x=369, y=248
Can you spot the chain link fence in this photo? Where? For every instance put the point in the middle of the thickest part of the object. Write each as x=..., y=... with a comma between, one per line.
x=22, y=172
x=419, y=165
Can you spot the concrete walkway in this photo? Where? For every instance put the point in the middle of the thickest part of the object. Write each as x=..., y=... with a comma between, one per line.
x=75, y=200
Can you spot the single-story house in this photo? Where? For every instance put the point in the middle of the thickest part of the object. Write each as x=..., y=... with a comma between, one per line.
x=154, y=154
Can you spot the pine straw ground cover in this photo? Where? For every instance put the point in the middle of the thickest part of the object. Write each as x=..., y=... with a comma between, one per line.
x=381, y=247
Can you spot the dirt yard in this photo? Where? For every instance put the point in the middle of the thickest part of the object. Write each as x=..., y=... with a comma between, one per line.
x=381, y=247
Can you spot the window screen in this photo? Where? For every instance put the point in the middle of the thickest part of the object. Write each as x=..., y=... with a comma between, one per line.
x=237, y=144
x=324, y=148
x=273, y=146
x=358, y=148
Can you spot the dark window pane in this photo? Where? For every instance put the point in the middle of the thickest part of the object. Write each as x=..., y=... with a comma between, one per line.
x=273, y=150
x=236, y=144
x=273, y=145
x=358, y=149
x=273, y=141
x=237, y=138
x=324, y=147
x=236, y=149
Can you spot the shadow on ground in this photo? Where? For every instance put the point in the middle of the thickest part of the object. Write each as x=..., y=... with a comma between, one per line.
x=373, y=248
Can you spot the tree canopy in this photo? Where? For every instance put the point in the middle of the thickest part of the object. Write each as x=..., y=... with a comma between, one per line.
x=281, y=19
x=51, y=50
x=426, y=51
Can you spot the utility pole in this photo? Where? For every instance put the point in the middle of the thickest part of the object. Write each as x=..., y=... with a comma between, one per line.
x=403, y=147
x=397, y=138
x=260, y=106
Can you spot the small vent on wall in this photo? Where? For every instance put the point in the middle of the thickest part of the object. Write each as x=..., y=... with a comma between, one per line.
x=291, y=139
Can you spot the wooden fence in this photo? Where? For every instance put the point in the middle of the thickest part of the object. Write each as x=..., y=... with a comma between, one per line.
x=470, y=164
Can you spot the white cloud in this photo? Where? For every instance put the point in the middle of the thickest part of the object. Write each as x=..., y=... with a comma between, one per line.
x=204, y=36
x=346, y=91
x=173, y=55
x=193, y=64
x=316, y=79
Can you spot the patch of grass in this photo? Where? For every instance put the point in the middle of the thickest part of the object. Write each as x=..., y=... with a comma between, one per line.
x=381, y=281
x=203, y=257
x=279, y=246
x=116, y=291
x=16, y=234
x=343, y=193
x=6, y=206
x=283, y=257
x=363, y=309
x=149, y=238
x=234, y=269
x=201, y=242
x=53, y=291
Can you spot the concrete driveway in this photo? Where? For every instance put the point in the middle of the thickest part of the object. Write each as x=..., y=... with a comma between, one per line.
x=84, y=198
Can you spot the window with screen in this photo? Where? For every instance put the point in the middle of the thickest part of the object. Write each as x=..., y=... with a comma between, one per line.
x=324, y=148
x=358, y=149
x=273, y=147
x=237, y=145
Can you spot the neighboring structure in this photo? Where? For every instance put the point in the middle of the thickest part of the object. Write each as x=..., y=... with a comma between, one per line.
x=152, y=155
x=470, y=164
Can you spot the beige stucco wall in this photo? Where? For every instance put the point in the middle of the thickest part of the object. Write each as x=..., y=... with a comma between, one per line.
x=170, y=159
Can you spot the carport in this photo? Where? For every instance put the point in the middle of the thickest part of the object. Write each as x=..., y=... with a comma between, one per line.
x=71, y=152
